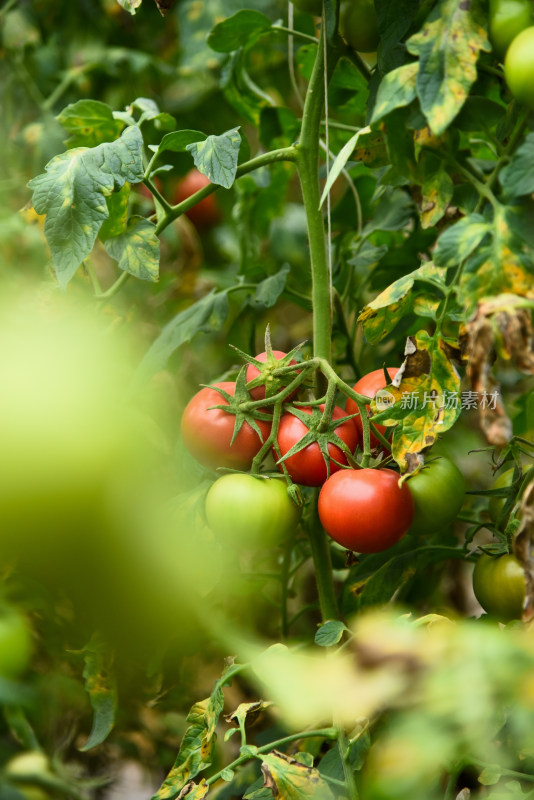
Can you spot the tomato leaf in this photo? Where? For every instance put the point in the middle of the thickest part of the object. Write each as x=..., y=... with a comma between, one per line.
x=72, y=193
x=270, y=289
x=237, y=31
x=517, y=177
x=290, y=779
x=177, y=141
x=330, y=633
x=100, y=684
x=207, y=314
x=90, y=122
x=396, y=89
x=448, y=46
x=458, y=242
x=216, y=157
x=136, y=249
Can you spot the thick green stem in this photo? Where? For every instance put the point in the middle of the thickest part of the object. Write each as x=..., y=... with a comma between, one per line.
x=323, y=565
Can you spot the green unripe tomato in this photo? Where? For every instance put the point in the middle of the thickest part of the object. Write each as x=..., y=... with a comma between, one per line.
x=358, y=24
x=499, y=586
x=32, y=764
x=438, y=492
x=519, y=67
x=507, y=19
x=314, y=7
x=246, y=511
x=496, y=504
x=15, y=643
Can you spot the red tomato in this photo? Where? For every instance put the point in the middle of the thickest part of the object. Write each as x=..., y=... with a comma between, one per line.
x=273, y=384
x=207, y=432
x=204, y=214
x=365, y=510
x=369, y=385
x=308, y=467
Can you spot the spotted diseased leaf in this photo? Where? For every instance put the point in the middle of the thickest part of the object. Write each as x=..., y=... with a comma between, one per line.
x=72, y=193
x=137, y=249
x=292, y=780
x=458, y=242
x=517, y=178
x=101, y=687
x=117, y=205
x=501, y=324
x=383, y=313
x=196, y=749
x=437, y=188
x=90, y=123
x=448, y=46
x=396, y=89
x=247, y=712
x=371, y=149
x=424, y=399
x=216, y=157
x=502, y=265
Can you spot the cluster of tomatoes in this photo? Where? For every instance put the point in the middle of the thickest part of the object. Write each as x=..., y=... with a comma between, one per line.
x=512, y=37
x=365, y=510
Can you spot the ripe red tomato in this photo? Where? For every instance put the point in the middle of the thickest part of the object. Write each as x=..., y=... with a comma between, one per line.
x=244, y=510
x=365, y=510
x=273, y=385
x=499, y=586
x=438, y=493
x=204, y=214
x=207, y=432
x=369, y=385
x=308, y=467
x=358, y=24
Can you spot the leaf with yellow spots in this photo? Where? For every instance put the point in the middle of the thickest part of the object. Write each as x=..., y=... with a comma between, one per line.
x=437, y=188
x=502, y=265
x=289, y=779
x=101, y=687
x=72, y=193
x=381, y=315
x=371, y=149
x=90, y=123
x=136, y=249
x=448, y=46
x=423, y=400
x=196, y=749
x=216, y=157
x=458, y=242
x=117, y=205
x=396, y=89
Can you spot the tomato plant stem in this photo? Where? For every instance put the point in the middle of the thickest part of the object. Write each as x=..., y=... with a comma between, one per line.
x=323, y=565
x=344, y=755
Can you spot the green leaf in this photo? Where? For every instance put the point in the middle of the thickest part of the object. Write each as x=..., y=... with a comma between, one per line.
x=517, y=178
x=72, y=193
x=130, y=5
x=448, y=46
x=393, y=212
x=290, y=779
x=330, y=633
x=382, y=314
x=458, y=242
x=490, y=775
x=238, y=30
x=90, y=123
x=118, y=214
x=216, y=157
x=397, y=89
x=207, y=314
x=178, y=141
x=278, y=126
x=137, y=249
x=100, y=684
x=269, y=290
x=150, y=113
x=340, y=161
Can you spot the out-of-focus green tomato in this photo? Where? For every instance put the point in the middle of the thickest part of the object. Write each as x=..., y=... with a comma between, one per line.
x=496, y=504
x=507, y=19
x=438, y=493
x=499, y=586
x=358, y=24
x=32, y=765
x=519, y=67
x=15, y=643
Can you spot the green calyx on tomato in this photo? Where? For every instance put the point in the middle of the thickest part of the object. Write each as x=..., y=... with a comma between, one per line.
x=248, y=510
x=507, y=19
x=217, y=433
x=369, y=385
x=519, y=67
x=261, y=380
x=365, y=510
x=310, y=454
x=499, y=586
x=438, y=492
x=358, y=24
x=15, y=643
x=314, y=7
